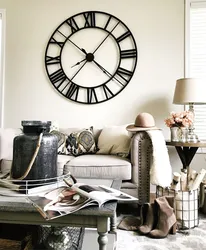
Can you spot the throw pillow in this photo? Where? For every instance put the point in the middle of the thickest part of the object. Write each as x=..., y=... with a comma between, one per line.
x=81, y=142
x=61, y=142
x=114, y=140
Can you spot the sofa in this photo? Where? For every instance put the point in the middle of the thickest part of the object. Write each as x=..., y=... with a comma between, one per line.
x=132, y=165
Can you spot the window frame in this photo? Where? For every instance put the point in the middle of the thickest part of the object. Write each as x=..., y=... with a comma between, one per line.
x=187, y=44
x=2, y=64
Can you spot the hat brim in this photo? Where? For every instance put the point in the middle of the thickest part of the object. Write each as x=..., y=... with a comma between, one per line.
x=133, y=128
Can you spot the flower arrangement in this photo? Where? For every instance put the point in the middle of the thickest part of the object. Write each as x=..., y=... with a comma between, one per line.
x=182, y=119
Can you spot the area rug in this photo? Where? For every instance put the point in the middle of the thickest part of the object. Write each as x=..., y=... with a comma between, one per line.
x=192, y=239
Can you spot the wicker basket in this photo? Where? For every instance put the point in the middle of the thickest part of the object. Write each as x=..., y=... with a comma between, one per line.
x=186, y=206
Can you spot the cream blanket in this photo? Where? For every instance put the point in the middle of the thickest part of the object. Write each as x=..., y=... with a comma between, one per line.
x=160, y=169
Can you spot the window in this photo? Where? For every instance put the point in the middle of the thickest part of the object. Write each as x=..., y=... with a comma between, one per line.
x=2, y=59
x=195, y=44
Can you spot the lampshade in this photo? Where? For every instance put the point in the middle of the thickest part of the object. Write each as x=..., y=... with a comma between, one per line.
x=190, y=90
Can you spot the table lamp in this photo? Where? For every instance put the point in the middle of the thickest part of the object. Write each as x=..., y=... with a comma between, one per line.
x=190, y=91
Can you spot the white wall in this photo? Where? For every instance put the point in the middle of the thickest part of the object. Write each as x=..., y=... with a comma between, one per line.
x=158, y=28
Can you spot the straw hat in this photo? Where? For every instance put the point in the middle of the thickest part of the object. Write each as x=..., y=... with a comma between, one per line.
x=143, y=122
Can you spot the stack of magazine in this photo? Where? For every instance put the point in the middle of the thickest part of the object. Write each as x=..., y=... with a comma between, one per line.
x=53, y=200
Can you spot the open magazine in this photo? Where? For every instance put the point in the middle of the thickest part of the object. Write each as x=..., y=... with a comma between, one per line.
x=68, y=199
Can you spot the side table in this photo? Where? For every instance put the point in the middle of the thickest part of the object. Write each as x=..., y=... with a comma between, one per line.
x=186, y=150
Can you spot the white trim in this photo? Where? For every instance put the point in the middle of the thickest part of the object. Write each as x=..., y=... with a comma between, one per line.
x=2, y=65
x=187, y=38
x=188, y=5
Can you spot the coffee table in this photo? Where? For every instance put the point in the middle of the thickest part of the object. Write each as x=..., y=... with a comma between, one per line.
x=18, y=210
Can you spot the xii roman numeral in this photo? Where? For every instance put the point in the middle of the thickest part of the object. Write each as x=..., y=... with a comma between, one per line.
x=129, y=53
x=90, y=20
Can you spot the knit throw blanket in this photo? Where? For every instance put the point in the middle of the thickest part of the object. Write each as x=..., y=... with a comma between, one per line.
x=160, y=169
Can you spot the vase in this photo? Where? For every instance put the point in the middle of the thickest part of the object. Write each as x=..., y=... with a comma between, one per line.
x=183, y=135
x=175, y=133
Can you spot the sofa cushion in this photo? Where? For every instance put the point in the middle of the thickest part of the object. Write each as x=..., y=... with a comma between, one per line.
x=68, y=131
x=61, y=161
x=5, y=166
x=61, y=141
x=114, y=140
x=81, y=142
x=99, y=166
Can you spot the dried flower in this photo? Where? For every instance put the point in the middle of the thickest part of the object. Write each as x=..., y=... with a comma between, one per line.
x=182, y=119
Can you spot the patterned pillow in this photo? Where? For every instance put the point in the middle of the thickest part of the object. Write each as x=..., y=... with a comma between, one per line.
x=61, y=142
x=81, y=142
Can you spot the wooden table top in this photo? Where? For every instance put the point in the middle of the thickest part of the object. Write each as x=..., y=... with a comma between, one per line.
x=186, y=144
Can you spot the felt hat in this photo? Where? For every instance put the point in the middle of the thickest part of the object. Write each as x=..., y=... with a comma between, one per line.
x=143, y=122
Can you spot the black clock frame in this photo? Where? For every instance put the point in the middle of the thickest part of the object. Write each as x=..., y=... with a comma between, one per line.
x=58, y=77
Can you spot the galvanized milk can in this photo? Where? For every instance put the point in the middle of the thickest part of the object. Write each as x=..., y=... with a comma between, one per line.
x=34, y=152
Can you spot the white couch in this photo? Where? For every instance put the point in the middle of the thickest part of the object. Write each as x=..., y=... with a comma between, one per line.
x=133, y=170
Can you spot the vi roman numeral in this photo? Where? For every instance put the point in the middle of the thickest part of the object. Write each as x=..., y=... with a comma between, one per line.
x=90, y=20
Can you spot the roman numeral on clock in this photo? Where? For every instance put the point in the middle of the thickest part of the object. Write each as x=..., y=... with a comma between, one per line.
x=124, y=72
x=52, y=60
x=72, y=23
x=61, y=44
x=129, y=53
x=90, y=20
x=73, y=91
x=107, y=23
x=123, y=36
x=108, y=93
x=91, y=95
x=57, y=76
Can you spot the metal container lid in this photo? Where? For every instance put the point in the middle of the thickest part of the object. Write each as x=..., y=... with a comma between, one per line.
x=35, y=126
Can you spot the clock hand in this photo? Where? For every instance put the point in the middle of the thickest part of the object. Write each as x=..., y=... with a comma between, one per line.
x=107, y=72
x=105, y=38
x=78, y=62
x=74, y=76
x=78, y=71
x=83, y=50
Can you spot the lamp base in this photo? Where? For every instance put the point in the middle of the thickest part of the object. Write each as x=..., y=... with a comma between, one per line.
x=191, y=136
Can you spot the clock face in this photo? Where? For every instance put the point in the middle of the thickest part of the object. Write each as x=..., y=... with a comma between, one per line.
x=91, y=57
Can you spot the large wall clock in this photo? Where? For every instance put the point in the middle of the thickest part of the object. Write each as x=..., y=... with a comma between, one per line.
x=91, y=57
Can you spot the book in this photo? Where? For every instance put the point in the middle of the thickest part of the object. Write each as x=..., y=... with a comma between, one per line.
x=68, y=199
